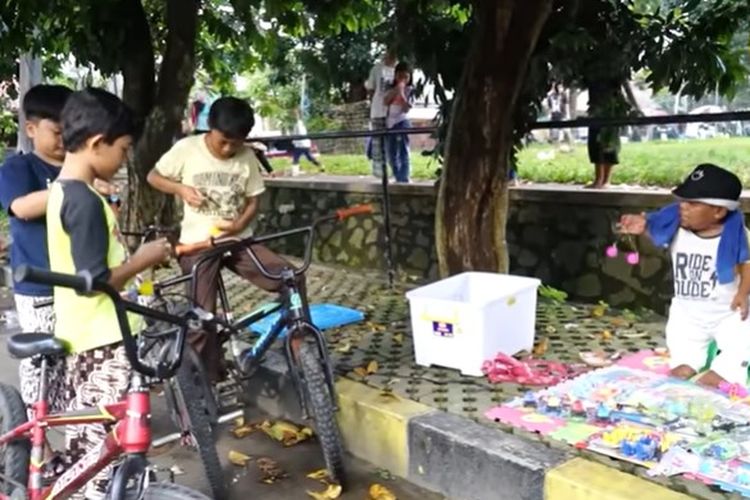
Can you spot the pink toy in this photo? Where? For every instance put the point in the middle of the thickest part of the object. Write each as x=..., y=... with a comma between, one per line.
x=504, y=368
x=632, y=257
x=737, y=391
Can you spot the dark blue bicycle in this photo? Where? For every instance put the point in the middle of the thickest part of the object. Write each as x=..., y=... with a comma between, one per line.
x=305, y=346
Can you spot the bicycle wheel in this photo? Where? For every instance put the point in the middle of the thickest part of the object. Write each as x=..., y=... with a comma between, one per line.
x=14, y=456
x=194, y=405
x=320, y=400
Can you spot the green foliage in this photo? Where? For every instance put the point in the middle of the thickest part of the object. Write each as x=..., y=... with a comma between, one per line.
x=552, y=294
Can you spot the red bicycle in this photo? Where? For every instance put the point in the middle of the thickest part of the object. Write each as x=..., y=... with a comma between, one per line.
x=22, y=442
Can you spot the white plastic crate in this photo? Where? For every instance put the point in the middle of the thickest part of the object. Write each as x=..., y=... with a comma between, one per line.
x=463, y=320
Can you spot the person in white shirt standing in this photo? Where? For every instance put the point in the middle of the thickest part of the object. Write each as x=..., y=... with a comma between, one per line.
x=377, y=84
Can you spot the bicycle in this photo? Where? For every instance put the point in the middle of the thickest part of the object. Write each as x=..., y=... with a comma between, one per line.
x=309, y=363
x=23, y=442
x=188, y=391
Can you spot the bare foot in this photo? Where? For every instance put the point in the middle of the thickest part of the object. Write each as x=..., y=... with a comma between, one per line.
x=683, y=372
x=710, y=379
x=593, y=185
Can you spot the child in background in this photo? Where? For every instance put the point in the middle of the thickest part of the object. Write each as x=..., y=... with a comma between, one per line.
x=398, y=106
x=707, y=238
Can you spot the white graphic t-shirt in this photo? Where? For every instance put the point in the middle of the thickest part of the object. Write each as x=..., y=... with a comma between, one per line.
x=380, y=78
x=694, y=272
x=226, y=185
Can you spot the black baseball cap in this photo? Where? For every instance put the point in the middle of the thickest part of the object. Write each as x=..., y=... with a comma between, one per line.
x=712, y=185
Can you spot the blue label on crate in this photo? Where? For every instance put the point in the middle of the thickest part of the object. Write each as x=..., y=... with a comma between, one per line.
x=442, y=329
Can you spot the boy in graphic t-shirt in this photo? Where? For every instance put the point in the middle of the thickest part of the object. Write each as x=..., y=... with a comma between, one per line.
x=708, y=242
x=218, y=177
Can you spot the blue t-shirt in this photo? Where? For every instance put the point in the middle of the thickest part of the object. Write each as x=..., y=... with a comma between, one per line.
x=19, y=176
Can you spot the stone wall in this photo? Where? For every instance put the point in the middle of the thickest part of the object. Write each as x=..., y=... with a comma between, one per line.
x=556, y=234
x=351, y=116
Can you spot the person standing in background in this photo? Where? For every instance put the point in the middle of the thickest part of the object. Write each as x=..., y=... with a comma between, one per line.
x=301, y=147
x=378, y=82
x=398, y=104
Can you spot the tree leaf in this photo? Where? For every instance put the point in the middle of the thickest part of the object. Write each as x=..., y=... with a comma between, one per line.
x=238, y=458
x=380, y=492
x=286, y=433
x=372, y=367
x=319, y=475
x=333, y=491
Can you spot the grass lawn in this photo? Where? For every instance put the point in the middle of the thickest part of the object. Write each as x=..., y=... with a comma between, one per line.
x=654, y=163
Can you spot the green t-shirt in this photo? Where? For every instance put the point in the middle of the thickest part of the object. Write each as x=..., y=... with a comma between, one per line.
x=82, y=234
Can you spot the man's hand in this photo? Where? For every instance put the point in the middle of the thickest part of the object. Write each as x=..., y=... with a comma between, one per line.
x=633, y=224
x=154, y=252
x=191, y=196
x=740, y=303
x=105, y=188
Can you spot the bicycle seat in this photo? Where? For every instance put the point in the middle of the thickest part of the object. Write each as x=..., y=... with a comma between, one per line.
x=28, y=345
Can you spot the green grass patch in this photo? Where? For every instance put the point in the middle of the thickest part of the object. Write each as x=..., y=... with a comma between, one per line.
x=654, y=163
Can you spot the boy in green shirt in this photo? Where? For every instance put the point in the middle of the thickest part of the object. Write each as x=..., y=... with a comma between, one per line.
x=82, y=234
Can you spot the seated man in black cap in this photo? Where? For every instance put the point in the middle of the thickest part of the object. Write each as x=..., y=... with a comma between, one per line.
x=708, y=242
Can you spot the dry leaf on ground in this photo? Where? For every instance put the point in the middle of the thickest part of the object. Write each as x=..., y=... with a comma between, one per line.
x=270, y=470
x=286, y=433
x=347, y=347
x=606, y=335
x=540, y=348
x=380, y=492
x=242, y=429
x=372, y=367
x=238, y=458
x=319, y=475
x=333, y=491
x=398, y=338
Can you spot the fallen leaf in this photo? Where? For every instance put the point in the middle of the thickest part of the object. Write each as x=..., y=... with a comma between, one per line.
x=387, y=393
x=540, y=348
x=319, y=475
x=372, y=367
x=362, y=372
x=344, y=348
x=333, y=491
x=270, y=470
x=398, y=338
x=380, y=492
x=244, y=430
x=238, y=458
x=619, y=322
x=286, y=433
x=606, y=335
x=550, y=329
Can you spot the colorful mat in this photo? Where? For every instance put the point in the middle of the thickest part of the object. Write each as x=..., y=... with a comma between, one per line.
x=632, y=411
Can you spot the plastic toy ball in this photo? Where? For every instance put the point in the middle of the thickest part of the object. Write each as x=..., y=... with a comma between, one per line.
x=612, y=251
x=633, y=258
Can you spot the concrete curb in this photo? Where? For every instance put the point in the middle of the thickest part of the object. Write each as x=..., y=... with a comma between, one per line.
x=449, y=454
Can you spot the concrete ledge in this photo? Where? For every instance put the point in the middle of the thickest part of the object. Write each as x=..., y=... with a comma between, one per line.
x=465, y=460
x=581, y=479
x=376, y=427
x=449, y=454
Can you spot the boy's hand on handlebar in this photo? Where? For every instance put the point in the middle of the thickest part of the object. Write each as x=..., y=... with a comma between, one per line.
x=191, y=196
x=633, y=224
x=154, y=252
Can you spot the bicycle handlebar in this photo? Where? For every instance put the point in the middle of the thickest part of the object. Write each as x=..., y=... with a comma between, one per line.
x=219, y=246
x=84, y=283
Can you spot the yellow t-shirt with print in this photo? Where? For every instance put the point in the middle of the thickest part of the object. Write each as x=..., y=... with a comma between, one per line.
x=226, y=185
x=82, y=234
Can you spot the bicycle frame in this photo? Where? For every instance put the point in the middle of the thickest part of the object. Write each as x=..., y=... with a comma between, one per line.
x=131, y=436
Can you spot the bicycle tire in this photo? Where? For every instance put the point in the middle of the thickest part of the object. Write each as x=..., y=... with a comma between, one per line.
x=15, y=455
x=171, y=491
x=196, y=409
x=321, y=403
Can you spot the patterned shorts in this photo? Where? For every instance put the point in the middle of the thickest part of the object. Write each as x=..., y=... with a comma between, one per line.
x=39, y=320
x=94, y=377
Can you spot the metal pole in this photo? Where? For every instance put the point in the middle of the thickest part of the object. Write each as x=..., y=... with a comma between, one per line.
x=387, y=214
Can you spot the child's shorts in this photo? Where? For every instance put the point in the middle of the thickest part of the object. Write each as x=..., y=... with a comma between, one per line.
x=688, y=339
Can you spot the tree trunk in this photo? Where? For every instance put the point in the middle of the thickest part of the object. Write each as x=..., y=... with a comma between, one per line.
x=473, y=194
x=176, y=75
